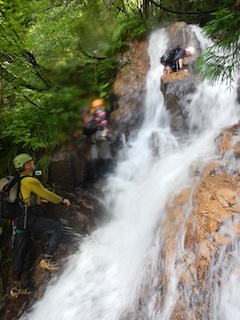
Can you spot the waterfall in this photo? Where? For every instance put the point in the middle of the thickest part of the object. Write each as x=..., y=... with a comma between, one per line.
x=106, y=277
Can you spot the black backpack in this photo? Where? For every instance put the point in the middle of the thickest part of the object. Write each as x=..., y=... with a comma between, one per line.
x=89, y=124
x=11, y=206
x=168, y=57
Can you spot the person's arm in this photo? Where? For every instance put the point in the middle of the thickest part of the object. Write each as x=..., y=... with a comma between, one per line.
x=180, y=56
x=180, y=63
x=36, y=187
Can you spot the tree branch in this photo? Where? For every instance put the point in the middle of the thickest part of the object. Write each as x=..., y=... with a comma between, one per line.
x=188, y=12
x=9, y=77
x=33, y=103
x=31, y=59
x=88, y=55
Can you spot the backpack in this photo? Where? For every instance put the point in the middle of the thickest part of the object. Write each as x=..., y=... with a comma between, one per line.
x=168, y=57
x=11, y=206
x=89, y=125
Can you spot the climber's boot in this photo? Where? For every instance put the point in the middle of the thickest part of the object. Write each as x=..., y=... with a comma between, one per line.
x=18, y=290
x=48, y=263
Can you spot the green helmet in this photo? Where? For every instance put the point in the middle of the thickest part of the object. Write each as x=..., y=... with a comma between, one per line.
x=21, y=159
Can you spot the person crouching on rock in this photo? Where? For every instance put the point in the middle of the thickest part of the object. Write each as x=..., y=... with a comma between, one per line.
x=173, y=58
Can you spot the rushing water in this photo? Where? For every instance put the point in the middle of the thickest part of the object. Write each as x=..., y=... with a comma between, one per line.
x=103, y=279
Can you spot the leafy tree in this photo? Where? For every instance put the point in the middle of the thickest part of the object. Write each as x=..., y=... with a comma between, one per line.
x=222, y=60
x=55, y=56
x=45, y=73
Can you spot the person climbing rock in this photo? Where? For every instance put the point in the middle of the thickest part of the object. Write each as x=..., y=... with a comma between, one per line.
x=100, y=141
x=173, y=58
x=33, y=193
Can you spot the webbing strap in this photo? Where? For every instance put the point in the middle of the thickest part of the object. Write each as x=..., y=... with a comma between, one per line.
x=25, y=217
x=25, y=206
x=20, y=231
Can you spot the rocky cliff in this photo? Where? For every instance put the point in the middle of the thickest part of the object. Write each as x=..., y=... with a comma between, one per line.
x=206, y=217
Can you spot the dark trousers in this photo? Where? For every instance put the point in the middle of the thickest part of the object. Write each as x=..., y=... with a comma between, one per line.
x=22, y=254
x=23, y=243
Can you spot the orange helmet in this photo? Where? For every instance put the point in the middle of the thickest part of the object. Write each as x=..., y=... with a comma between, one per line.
x=97, y=102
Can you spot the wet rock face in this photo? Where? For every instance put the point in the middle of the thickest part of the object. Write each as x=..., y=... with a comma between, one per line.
x=181, y=34
x=177, y=89
x=129, y=88
x=68, y=165
x=178, y=86
x=209, y=214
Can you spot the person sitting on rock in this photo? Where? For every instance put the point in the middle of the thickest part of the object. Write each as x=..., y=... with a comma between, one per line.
x=173, y=58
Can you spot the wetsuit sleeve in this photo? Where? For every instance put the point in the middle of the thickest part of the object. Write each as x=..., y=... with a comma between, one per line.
x=180, y=54
x=32, y=184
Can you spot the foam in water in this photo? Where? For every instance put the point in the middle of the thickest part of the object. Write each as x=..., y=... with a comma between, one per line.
x=102, y=280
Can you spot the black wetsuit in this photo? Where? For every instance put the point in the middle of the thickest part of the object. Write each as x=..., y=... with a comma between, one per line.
x=179, y=54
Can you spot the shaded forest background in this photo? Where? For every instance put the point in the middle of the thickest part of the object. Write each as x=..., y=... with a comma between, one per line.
x=56, y=56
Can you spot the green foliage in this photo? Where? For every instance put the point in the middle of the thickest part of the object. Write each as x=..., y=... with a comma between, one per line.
x=218, y=27
x=56, y=56
x=52, y=66
x=134, y=28
x=221, y=62
x=37, y=128
x=43, y=164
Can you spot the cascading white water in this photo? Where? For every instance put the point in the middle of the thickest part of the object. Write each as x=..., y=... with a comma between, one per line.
x=103, y=279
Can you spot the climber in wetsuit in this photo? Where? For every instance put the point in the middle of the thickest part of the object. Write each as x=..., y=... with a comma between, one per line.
x=34, y=221
x=173, y=58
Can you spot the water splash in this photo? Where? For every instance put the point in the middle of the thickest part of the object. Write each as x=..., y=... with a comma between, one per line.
x=103, y=279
